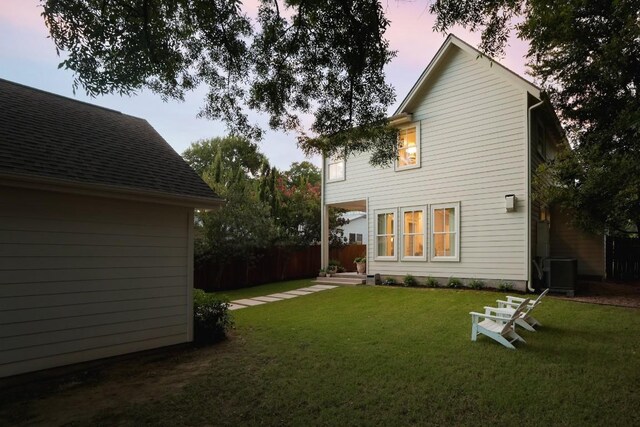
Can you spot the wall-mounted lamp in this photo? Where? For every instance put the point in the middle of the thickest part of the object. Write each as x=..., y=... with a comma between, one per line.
x=510, y=202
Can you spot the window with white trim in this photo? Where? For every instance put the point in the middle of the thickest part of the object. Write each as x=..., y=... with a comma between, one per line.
x=335, y=168
x=408, y=147
x=355, y=238
x=386, y=234
x=414, y=234
x=445, y=231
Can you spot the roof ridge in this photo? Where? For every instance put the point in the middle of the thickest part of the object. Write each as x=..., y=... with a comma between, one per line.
x=67, y=98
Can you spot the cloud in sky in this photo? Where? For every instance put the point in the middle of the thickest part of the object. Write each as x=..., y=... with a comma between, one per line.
x=28, y=57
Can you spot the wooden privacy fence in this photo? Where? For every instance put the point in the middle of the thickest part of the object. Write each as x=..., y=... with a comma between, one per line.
x=271, y=265
x=346, y=255
x=623, y=258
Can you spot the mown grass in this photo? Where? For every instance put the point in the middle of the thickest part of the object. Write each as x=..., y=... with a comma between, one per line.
x=388, y=356
x=270, y=288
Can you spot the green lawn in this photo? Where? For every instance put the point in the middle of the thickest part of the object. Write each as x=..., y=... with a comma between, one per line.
x=392, y=356
x=262, y=290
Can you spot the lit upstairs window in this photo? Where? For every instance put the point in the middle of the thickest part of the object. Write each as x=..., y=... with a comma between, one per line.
x=408, y=148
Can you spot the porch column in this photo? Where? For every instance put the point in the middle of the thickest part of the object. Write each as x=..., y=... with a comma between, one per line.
x=324, y=236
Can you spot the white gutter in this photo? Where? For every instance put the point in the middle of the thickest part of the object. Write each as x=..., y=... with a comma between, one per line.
x=400, y=119
x=529, y=259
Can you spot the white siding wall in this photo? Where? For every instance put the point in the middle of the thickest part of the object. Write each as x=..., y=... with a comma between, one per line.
x=83, y=278
x=358, y=226
x=473, y=151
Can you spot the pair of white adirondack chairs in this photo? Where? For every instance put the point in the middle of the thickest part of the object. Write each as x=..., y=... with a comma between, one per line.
x=499, y=323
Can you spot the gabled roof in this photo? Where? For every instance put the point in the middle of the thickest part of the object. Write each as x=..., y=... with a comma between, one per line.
x=57, y=140
x=450, y=43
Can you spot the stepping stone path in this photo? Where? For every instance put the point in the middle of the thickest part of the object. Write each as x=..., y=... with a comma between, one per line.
x=249, y=302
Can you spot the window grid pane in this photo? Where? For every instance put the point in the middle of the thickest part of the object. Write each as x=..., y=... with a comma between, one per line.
x=336, y=169
x=444, y=232
x=385, y=236
x=413, y=242
x=407, y=147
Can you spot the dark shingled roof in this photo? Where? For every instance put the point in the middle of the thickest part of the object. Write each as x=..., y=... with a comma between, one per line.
x=50, y=136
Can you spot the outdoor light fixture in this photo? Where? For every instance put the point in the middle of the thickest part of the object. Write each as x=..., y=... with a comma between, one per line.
x=510, y=202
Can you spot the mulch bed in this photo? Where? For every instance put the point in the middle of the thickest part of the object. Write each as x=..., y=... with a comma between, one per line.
x=608, y=293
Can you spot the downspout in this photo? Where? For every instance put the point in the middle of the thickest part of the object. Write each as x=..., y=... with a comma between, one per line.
x=529, y=178
x=323, y=230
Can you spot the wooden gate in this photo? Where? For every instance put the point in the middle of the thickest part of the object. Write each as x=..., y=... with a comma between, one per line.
x=623, y=258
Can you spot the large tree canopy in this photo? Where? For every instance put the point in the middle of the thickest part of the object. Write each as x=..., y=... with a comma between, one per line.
x=586, y=55
x=327, y=58
x=296, y=57
x=264, y=207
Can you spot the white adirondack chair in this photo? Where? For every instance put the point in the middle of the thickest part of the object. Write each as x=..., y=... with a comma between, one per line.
x=497, y=326
x=526, y=321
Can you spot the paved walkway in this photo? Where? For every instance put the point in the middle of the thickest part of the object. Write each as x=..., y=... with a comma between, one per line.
x=249, y=302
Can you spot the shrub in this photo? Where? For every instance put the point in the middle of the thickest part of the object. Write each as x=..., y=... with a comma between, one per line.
x=476, y=284
x=389, y=281
x=431, y=282
x=360, y=259
x=454, y=283
x=409, y=281
x=335, y=265
x=211, y=317
x=505, y=286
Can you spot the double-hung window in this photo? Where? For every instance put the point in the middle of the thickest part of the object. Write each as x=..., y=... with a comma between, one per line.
x=386, y=234
x=414, y=234
x=335, y=168
x=445, y=229
x=408, y=147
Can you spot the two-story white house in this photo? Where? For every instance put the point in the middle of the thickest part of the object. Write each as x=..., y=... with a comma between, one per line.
x=458, y=200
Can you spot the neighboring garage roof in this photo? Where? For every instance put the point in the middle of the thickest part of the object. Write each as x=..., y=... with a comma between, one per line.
x=55, y=139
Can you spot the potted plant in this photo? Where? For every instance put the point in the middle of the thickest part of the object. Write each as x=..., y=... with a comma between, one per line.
x=331, y=270
x=361, y=264
x=322, y=272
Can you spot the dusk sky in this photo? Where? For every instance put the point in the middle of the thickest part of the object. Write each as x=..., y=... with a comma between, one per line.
x=28, y=57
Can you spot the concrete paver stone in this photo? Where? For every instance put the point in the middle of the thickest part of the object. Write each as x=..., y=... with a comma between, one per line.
x=283, y=296
x=297, y=292
x=322, y=287
x=267, y=299
x=248, y=301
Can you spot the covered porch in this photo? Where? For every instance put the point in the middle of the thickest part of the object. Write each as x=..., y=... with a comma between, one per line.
x=352, y=205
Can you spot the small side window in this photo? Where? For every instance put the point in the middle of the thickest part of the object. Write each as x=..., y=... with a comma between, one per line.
x=335, y=169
